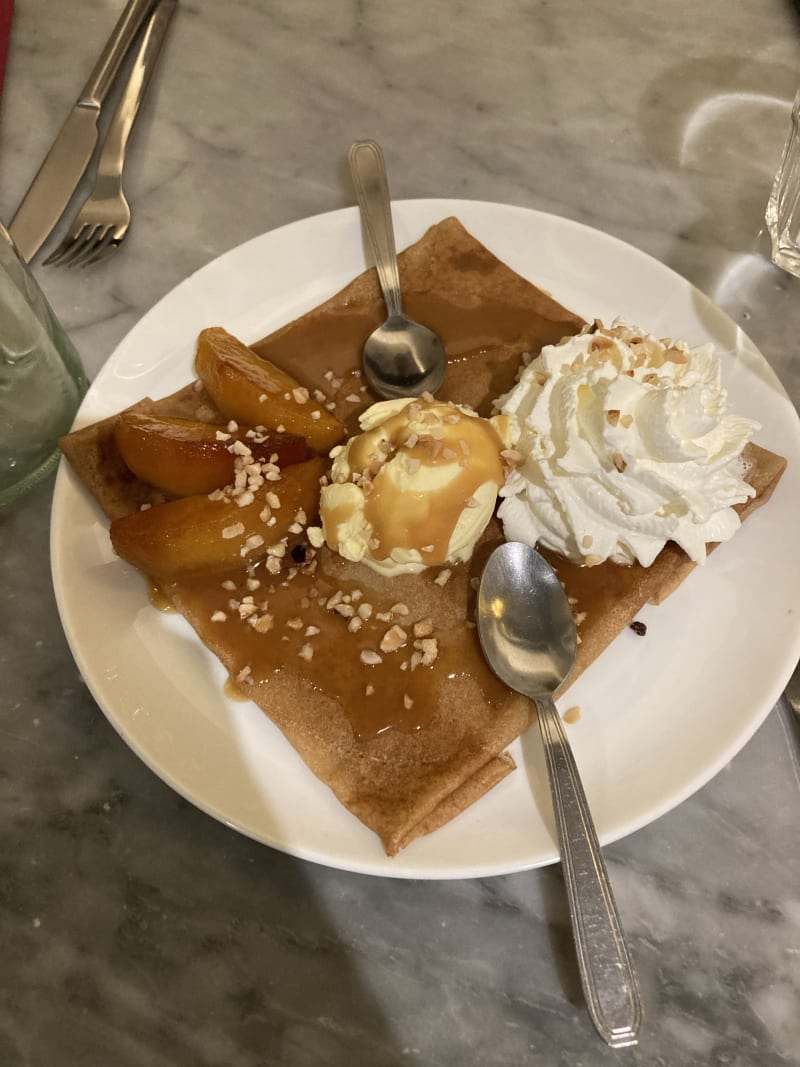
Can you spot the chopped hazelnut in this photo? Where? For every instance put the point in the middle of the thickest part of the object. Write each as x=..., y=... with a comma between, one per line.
x=394, y=638
x=429, y=648
x=253, y=542
x=511, y=455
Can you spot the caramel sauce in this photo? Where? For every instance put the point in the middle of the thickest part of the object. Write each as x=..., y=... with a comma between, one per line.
x=331, y=340
x=388, y=695
x=158, y=597
x=597, y=588
x=478, y=325
x=483, y=342
x=234, y=691
x=405, y=517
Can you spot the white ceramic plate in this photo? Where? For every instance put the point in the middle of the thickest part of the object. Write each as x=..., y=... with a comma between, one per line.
x=660, y=714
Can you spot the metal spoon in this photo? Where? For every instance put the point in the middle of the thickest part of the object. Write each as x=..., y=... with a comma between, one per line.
x=528, y=636
x=401, y=358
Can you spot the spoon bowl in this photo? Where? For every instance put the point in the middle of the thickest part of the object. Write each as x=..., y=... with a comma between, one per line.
x=528, y=636
x=525, y=621
x=401, y=358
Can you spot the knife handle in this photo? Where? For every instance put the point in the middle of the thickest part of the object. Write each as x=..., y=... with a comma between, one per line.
x=128, y=25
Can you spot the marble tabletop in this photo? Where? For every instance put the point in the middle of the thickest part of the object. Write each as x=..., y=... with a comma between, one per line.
x=137, y=930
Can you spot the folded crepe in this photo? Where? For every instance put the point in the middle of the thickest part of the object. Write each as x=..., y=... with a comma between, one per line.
x=404, y=746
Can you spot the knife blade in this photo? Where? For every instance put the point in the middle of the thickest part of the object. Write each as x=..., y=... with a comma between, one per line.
x=65, y=163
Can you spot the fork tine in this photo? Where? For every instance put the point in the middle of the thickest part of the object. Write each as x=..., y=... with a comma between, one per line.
x=78, y=246
x=103, y=248
x=54, y=257
x=68, y=244
x=87, y=247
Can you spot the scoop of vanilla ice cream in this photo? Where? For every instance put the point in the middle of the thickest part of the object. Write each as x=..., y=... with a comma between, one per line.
x=416, y=488
x=627, y=444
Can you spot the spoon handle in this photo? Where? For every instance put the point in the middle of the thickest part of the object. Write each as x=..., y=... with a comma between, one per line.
x=607, y=976
x=368, y=169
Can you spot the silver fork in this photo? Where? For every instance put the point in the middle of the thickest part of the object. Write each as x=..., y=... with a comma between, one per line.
x=105, y=218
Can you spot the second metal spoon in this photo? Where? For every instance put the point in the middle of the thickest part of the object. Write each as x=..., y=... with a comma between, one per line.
x=401, y=357
x=528, y=636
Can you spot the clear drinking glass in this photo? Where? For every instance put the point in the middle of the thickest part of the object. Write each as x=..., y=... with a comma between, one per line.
x=42, y=380
x=783, y=209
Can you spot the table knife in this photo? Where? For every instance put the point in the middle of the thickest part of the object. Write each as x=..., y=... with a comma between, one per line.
x=65, y=163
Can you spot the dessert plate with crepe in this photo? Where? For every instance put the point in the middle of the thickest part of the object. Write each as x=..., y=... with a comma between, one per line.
x=659, y=714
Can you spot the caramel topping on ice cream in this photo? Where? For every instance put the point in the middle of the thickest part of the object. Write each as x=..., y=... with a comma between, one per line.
x=416, y=488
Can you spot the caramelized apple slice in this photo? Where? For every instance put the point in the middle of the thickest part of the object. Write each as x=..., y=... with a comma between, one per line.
x=250, y=389
x=198, y=535
x=184, y=457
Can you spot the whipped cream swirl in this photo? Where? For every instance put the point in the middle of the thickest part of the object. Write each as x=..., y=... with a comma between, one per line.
x=627, y=443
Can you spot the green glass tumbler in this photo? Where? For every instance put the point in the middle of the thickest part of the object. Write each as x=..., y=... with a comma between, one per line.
x=42, y=380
